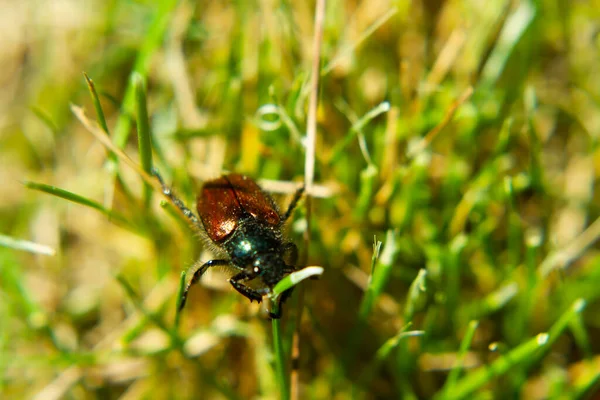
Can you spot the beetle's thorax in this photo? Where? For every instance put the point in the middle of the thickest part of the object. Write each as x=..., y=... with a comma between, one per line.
x=250, y=239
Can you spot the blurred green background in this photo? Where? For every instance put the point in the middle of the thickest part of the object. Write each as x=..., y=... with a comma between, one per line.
x=462, y=135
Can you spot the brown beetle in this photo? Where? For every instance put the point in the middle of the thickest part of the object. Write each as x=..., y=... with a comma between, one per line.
x=244, y=222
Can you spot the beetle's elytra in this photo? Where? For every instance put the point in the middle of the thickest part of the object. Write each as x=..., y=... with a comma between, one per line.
x=245, y=225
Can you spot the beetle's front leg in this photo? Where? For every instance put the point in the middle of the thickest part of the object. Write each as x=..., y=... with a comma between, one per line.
x=196, y=277
x=236, y=282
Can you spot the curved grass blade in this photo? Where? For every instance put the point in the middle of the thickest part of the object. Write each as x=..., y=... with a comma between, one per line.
x=26, y=245
x=527, y=353
x=295, y=278
x=75, y=198
x=285, y=284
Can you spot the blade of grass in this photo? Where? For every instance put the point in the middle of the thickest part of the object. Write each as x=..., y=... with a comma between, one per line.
x=381, y=263
x=295, y=278
x=527, y=353
x=97, y=104
x=421, y=145
x=75, y=198
x=344, y=51
x=381, y=269
x=561, y=258
x=345, y=108
x=356, y=128
x=383, y=353
x=267, y=381
x=95, y=130
x=110, y=187
x=179, y=297
x=280, y=369
x=416, y=295
x=176, y=340
x=465, y=344
x=309, y=177
x=152, y=41
x=26, y=245
x=514, y=28
x=582, y=339
x=368, y=179
x=45, y=118
x=515, y=236
x=285, y=284
x=405, y=359
x=492, y=302
x=143, y=131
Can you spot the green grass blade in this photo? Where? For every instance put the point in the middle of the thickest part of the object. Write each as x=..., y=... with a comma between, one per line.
x=339, y=148
x=179, y=297
x=295, y=278
x=97, y=104
x=465, y=344
x=45, y=118
x=383, y=353
x=527, y=353
x=75, y=198
x=416, y=295
x=380, y=274
x=514, y=28
x=368, y=179
x=143, y=131
x=280, y=360
x=153, y=40
x=176, y=341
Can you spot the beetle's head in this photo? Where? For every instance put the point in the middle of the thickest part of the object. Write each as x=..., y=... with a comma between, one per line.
x=271, y=268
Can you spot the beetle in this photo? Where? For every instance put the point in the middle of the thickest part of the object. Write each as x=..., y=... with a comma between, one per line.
x=245, y=225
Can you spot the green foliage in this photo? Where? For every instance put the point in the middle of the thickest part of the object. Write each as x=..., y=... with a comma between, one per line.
x=463, y=137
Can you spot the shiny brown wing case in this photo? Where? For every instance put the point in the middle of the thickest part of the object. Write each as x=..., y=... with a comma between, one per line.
x=224, y=201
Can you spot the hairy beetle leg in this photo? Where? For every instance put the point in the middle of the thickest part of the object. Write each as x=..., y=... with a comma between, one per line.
x=236, y=282
x=196, y=277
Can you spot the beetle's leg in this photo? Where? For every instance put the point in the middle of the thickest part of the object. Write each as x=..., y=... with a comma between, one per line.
x=290, y=251
x=277, y=315
x=167, y=191
x=284, y=296
x=293, y=204
x=196, y=277
x=236, y=282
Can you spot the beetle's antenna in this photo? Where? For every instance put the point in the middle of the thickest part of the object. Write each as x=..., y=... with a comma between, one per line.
x=167, y=191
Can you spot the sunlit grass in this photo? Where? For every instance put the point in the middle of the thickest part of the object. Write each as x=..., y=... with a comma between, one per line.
x=463, y=139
